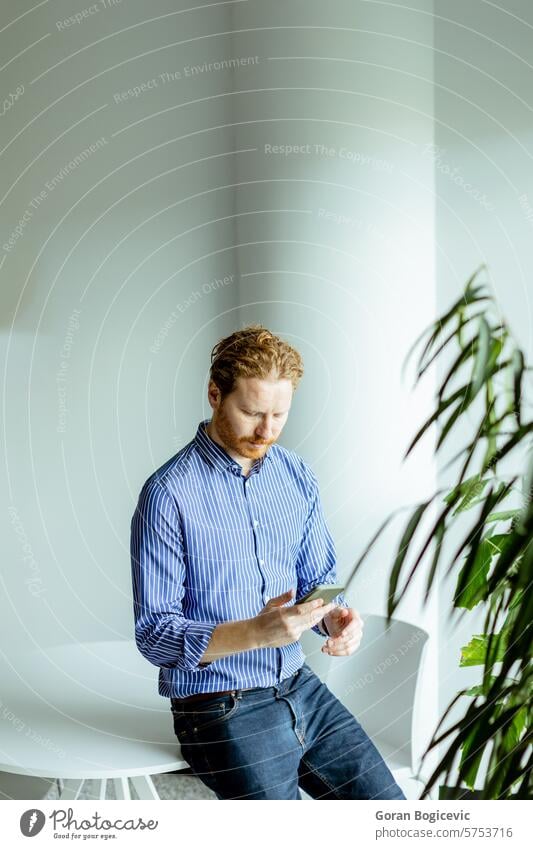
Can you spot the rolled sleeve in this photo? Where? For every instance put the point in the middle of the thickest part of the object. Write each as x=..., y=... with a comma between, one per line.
x=317, y=560
x=163, y=635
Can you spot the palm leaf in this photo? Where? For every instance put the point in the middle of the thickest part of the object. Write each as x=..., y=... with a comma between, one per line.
x=475, y=653
x=482, y=356
x=439, y=538
x=518, y=366
x=393, y=603
x=474, y=534
x=471, y=585
x=464, y=355
x=436, y=415
x=470, y=296
x=405, y=542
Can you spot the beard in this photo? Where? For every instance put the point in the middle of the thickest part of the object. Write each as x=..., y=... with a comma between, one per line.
x=241, y=444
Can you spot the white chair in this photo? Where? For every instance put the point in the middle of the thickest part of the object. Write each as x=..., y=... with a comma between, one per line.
x=379, y=684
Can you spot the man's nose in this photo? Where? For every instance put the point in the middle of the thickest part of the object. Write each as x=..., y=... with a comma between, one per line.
x=264, y=430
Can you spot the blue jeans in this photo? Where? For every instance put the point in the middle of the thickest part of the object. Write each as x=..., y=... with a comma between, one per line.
x=267, y=742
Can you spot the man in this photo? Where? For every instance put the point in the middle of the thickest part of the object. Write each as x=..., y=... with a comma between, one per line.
x=227, y=535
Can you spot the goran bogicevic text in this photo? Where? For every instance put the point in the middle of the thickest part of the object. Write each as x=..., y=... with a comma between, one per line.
x=428, y=816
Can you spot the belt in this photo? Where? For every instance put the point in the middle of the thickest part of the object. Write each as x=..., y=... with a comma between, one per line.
x=200, y=697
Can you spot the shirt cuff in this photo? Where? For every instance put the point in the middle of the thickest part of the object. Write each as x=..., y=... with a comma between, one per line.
x=196, y=637
x=320, y=628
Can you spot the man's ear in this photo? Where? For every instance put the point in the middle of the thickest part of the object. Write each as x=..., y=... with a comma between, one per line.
x=213, y=394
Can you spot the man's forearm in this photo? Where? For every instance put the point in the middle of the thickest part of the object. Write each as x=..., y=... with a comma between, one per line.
x=231, y=638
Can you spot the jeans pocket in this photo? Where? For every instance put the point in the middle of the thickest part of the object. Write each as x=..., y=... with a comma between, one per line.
x=209, y=713
x=180, y=724
x=204, y=714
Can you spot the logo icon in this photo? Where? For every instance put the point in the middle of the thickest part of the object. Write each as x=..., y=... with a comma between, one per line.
x=32, y=822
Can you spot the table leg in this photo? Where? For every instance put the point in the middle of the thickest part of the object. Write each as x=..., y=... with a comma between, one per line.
x=122, y=788
x=71, y=788
x=144, y=787
x=103, y=785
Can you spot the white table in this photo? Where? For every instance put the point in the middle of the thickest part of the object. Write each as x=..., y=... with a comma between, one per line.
x=86, y=711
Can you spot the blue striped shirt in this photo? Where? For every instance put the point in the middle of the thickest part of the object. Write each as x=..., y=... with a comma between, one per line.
x=209, y=545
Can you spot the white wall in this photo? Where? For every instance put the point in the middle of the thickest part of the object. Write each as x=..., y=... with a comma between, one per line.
x=112, y=295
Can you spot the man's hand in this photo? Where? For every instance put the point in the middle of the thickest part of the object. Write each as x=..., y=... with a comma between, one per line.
x=277, y=625
x=346, y=629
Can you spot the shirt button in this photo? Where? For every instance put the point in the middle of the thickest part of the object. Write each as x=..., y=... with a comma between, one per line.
x=255, y=523
x=261, y=562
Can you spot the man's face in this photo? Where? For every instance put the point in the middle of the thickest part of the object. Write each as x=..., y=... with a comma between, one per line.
x=251, y=418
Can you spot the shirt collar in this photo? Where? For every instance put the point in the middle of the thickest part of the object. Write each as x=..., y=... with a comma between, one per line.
x=217, y=456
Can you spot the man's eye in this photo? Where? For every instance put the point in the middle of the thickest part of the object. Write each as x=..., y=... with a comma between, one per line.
x=276, y=415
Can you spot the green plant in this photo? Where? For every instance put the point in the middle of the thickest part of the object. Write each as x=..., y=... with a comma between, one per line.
x=486, y=376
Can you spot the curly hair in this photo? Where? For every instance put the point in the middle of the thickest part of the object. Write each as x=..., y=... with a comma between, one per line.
x=253, y=352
